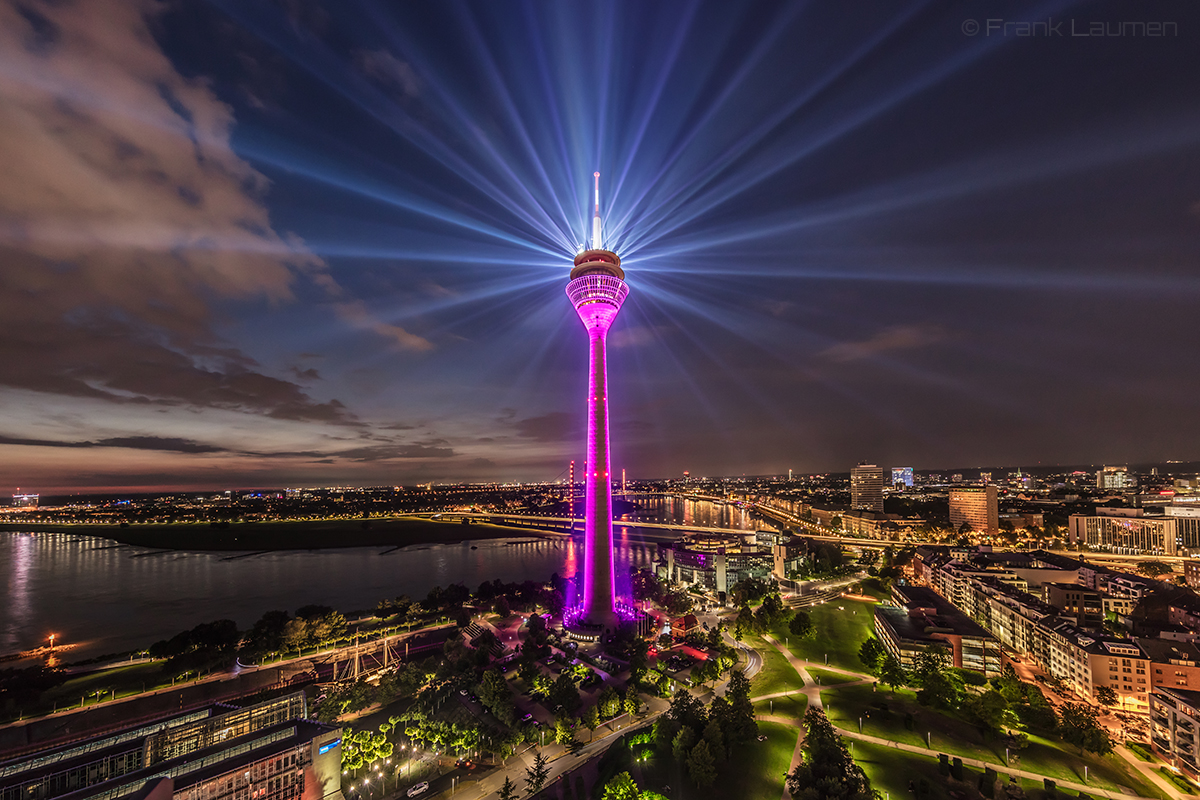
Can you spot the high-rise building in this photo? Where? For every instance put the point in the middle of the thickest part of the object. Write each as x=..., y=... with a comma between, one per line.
x=1115, y=478
x=597, y=289
x=902, y=476
x=978, y=506
x=866, y=487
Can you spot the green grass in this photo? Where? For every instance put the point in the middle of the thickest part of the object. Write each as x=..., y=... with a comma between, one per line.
x=125, y=680
x=839, y=634
x=754, y=772
x=776, y=674
x=791, y=706
x=1185, y=786
x=1141, y=751
x=954, y=736
x=890, y=770
x=827, y=677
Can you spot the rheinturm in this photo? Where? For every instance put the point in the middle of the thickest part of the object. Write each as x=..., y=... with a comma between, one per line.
x=597, y=290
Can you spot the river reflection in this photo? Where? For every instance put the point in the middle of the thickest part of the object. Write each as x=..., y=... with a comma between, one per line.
x=111, y=598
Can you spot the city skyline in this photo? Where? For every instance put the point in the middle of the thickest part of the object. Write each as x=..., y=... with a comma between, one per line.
x=313, y=246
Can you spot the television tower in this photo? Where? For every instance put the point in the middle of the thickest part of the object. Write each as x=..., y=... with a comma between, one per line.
x=597, y=289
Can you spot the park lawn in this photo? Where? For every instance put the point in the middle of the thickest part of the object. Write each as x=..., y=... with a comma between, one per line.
x=125, y=680
x=827, y=677
x=957, y=737
x=776, y=674
x=841, y=627
x=754, y=772
x=890, y=770
x=791, y=706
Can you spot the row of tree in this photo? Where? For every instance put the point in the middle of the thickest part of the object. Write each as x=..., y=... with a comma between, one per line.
x=828, y=772
x=703, y=739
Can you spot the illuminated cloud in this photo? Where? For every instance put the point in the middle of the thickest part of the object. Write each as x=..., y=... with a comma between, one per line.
x=897, y=337
x=127, y=218
x=357, y=314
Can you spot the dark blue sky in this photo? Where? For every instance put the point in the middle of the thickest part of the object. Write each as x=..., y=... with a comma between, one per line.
x=257, y=244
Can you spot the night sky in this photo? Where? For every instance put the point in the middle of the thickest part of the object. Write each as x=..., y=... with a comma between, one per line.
x=252, y=244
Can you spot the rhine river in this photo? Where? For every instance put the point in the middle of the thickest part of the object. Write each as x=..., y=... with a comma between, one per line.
x=111, y=598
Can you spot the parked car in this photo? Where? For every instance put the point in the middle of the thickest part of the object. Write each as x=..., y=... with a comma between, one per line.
x=420, y=788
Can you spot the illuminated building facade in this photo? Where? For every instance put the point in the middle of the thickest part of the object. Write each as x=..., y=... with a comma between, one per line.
x=597, y=289
x=976, y=506
x=902, y=476
x=866, y=487
x=268, y=751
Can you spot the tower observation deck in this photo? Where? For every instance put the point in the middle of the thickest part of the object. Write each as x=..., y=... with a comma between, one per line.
x=597, y=289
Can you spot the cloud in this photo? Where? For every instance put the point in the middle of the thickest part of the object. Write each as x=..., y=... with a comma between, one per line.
x=125, y=216
x=557, y=426
x=156, y=443
x=356, y=313
x=388, y=452
x=897, y=337
x=391, y=72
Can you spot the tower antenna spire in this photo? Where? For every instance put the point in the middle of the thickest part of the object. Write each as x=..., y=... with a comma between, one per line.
x=597, y=239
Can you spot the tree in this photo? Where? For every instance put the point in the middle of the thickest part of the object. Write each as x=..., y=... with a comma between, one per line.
x=801, y=625
x=621, y=787
x=562, y=730
x=1153, y=569
x=563, y=693
x=702, y=767
x=537, y=773
x=891, y=673
x=742, y=728
x=827, y=771
x=508, y=791
x=940, y=686
x=715, y=739
x=989, y=711
x=1107, y=696
x=871, y=653
x=609, y=702
x=591, y=719
x=1080, y=727
x=632, y=702
x=665, y=729
x=685, y=740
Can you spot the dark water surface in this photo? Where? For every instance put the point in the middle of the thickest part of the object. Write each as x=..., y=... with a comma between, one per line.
x=111, y=598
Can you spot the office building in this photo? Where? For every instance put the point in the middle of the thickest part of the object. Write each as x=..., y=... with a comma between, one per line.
x=714, y=562
x=902, y=476
x=921, y=620
x=866, y=487
x=267, y=751
x=975, y=506
x=1115, y=478
x=1132, y=535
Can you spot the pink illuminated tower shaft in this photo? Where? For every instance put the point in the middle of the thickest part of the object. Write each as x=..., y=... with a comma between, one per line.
x=597, y=290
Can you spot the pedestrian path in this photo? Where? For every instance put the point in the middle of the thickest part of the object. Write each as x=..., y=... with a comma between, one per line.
x=814, y=695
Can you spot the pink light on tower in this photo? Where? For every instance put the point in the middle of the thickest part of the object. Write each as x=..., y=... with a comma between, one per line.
x=597, y=290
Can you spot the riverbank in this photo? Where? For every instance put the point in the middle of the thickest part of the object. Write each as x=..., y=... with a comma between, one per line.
x=260, y=537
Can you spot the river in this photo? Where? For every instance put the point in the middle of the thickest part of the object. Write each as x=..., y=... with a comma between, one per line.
x=109, y=598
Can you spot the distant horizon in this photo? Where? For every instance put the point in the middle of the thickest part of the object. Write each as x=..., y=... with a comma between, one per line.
x=1184, y=467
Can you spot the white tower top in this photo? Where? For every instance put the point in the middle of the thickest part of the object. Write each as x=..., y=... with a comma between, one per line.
x=597, y=240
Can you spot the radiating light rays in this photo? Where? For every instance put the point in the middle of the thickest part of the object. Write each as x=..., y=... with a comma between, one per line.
x=313, y=56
